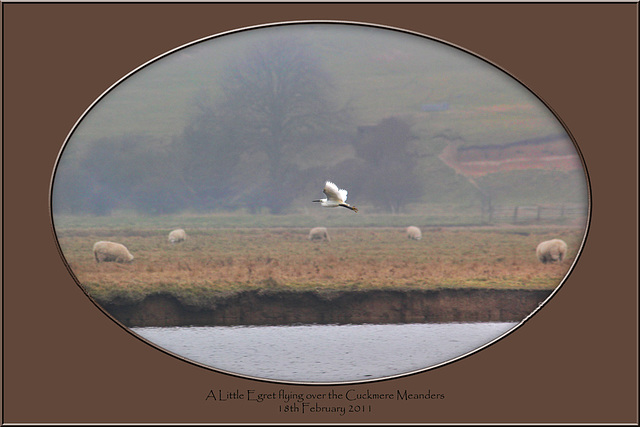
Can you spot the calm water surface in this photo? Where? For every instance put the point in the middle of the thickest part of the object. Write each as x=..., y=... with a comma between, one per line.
x=324, y=353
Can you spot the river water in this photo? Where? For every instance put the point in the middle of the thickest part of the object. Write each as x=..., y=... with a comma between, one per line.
x=324, y=353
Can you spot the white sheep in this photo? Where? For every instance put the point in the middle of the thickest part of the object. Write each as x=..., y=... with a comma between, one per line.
x=111, y=252
x=319, y=233
x=554, y=250
x=414, y=233
x=177, y=235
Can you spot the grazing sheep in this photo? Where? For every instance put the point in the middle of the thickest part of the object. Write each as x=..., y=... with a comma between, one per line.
x=319, y=233
x=414, y=233
x=111, y=252
x=551, y=251
x=178, y=235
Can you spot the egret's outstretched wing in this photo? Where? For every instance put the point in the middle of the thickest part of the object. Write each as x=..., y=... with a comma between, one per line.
x=332, y=192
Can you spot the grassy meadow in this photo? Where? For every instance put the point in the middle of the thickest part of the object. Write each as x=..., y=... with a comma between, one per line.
x=215, y=262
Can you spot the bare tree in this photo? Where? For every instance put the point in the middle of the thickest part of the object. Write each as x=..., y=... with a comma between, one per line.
x=277, y=99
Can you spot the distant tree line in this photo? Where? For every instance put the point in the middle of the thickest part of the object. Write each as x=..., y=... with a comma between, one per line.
x=266, y=141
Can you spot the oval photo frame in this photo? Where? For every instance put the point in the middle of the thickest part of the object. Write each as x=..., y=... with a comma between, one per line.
x=182, y=203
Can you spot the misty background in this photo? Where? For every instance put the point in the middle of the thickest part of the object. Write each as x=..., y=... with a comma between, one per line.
x=256, y=121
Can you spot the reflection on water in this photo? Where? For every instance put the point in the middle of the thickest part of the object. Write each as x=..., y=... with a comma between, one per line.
x=324, y=353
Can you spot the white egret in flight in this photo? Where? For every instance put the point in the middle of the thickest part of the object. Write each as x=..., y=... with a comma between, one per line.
x=335, y=197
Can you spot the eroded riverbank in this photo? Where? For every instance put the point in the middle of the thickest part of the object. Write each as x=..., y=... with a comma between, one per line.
x=265, y=307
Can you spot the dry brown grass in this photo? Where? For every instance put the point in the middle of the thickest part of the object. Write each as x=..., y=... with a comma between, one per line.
x=228, y=260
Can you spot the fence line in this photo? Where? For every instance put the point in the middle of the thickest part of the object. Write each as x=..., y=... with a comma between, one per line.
x=533, y=213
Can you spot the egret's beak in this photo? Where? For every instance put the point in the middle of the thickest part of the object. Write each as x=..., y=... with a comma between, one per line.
x=316, y=200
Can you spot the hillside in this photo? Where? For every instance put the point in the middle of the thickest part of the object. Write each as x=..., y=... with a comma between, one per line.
x=554, y=152
x=470, y=120
x=377, y=73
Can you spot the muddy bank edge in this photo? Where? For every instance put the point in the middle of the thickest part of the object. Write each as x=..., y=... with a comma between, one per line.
x=265, y=307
